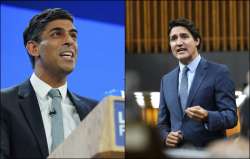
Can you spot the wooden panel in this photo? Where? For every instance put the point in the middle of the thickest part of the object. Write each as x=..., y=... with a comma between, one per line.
x=232, y=26
x=146, y=25
x=241, y=26
x=155, y=26
x=247, y=24
x=207, y=27
x=224, y=25
x=128, y=27
x=138, y=26
x=164, y=20
x=181, y=8
x=215, y=24
x=198, y=17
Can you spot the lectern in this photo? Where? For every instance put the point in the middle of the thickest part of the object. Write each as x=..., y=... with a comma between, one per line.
x=100, y=135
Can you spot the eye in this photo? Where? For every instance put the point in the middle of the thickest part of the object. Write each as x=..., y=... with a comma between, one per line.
x=56, y=34
x=172, y=38
x=74, y=35
x=184, y=36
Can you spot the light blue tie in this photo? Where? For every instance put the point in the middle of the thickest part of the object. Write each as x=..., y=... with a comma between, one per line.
x=57, y=130
x=184, y=88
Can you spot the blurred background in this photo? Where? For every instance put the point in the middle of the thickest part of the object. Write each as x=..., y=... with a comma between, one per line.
x=100, y=68
x=224, y=28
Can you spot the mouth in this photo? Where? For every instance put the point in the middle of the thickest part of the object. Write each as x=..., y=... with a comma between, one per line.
x=181, y=50
x=67, y=55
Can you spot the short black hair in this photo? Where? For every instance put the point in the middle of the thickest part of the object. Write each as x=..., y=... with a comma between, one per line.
x=188, y=24
x=38, y=23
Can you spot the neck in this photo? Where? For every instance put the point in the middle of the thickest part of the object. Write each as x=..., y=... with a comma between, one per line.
x=55, y=80
x=188, y=61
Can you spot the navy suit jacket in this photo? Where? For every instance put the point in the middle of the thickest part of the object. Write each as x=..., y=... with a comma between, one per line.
x=212, y=89
x=22, y=130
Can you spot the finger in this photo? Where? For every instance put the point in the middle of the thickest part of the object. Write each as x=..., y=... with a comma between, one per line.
x=194, y=116
x=171, y=141
x=197, y=113
x=175, y=133
x=189, y=113
x=171, y=145
x=195, y=107
x=199, y=116
x=173, y=137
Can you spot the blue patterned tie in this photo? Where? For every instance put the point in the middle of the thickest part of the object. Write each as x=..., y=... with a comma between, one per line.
x=57, y=131
x=184, y=88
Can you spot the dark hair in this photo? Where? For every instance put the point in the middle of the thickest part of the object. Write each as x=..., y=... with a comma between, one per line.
x=189, y=25
x=244, y=119
x=38, y=23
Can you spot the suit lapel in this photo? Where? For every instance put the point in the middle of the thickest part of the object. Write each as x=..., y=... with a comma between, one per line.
x=81, y=107
x=29, y=105
x=200, y=74
x=173, y=88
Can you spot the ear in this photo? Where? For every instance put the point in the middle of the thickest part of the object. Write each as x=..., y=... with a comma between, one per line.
x=198, y=41
x=32, y=48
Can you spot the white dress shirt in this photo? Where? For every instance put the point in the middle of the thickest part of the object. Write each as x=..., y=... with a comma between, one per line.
x=191, y=72
x=70, y=116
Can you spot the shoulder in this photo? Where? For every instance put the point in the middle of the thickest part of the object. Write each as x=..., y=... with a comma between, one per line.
x=9, y=92
x=9, y=97
x=91, y=103
x=217, y=66
x=21, y=89
x=171, y=74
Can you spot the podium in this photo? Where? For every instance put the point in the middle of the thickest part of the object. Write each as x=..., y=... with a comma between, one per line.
x=100, y=135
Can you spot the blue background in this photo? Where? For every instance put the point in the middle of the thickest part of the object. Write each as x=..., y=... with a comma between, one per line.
x=100, y=68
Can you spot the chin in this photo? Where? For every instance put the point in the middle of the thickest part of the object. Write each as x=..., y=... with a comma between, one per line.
x=184, y=58
x=67, y=69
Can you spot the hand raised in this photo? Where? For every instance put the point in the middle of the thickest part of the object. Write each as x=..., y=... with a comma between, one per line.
x=197, y=113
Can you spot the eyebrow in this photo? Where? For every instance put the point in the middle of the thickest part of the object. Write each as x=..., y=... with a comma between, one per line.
x=181, y=34
x=61, y=29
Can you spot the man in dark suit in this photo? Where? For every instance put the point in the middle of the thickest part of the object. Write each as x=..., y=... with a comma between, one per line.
x=197, y=101
x=37, y=115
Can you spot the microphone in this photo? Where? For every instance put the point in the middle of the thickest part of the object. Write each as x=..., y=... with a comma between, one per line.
x=52, y=112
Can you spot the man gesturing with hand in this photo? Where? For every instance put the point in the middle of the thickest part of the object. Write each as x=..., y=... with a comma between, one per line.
x=197, y=101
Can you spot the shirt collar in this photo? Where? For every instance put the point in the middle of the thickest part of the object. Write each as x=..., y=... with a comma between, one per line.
x=42, y=88
x=192, y=65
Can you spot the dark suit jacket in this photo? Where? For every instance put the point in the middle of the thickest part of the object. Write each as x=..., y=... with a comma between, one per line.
x=213, y=90
x=22, y=130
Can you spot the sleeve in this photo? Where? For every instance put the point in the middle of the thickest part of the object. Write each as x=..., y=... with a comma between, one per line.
x=163, y=116
x=226, y=116
x=5, y=145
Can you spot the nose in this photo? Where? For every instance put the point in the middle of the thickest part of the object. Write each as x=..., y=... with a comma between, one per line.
x=179, y=41
x=69, y=41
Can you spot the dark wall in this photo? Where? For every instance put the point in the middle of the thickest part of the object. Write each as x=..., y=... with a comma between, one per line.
x=151, y=67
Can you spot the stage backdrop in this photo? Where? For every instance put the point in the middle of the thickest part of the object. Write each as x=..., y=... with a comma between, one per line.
x=100, y=68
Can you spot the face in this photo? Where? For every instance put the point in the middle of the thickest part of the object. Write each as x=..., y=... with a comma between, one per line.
x=183, y=45
x=57, y=51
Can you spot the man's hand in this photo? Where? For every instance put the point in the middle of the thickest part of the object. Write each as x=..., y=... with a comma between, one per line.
x=173, y=138
x=197, y=113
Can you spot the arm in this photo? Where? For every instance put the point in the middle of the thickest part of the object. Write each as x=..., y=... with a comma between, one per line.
x=163, y=116
x=4, y=148
x=226, y=116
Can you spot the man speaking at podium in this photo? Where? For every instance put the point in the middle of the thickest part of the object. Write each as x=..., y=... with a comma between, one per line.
x=197, y=101
x=37, y=115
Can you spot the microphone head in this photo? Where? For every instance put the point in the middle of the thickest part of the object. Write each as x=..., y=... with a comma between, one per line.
x=52, y=112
